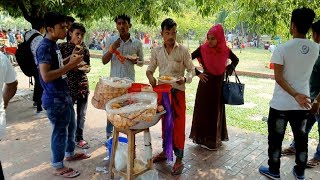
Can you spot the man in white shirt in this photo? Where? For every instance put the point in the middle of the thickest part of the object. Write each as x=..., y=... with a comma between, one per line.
x=293, y=63
x=315, y=97
x=8, y=83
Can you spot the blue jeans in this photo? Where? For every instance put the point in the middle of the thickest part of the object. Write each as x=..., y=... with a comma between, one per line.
x=109, y=129
x=311, y=120
x=62, y=119
x=277, y=123
x=82, y=104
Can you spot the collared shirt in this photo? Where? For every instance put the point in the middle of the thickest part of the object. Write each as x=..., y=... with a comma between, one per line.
x=56, y=91
x=34, y=43
x=130, y=47
x=173, y=64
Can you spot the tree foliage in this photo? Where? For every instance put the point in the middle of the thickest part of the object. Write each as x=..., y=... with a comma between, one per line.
x=263, y=17
x=146, y=11
x=7, y=22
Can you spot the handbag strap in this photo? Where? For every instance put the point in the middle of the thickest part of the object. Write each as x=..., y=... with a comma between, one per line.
x=236, y=77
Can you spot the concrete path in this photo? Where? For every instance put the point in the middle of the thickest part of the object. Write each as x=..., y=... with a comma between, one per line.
x=25, y=152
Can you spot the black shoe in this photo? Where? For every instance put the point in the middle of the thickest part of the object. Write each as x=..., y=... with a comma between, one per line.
x=298, y=177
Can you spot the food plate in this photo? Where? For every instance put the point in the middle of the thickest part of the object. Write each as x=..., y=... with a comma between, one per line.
x=82, y=63
x=134, y=56
x=139, y=62
x=167, y=79
x=83, y=68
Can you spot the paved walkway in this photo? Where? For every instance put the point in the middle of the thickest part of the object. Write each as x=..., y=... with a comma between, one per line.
x=25, y=152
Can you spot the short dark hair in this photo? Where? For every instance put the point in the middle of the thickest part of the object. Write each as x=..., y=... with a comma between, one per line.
x=70, y=19
x=75, y=26
x=53, y=18
x=38, y=24
x=123, y=17
x=316, y=27
x=168, y=24
x=302, y=19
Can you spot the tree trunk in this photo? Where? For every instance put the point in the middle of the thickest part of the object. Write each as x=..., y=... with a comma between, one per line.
x=33, y=15
x=242, y=29
x=34, y=21
x=258, y=41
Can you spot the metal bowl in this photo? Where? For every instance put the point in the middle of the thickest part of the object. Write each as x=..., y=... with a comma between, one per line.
x=145, y=125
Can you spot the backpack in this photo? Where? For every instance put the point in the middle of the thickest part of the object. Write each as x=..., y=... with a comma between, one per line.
x=25, y=57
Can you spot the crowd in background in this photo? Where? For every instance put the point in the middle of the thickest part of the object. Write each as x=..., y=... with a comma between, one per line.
x=98, y=39
x=11, y=38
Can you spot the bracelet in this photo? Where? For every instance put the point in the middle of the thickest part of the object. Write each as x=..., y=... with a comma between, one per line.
x=111, y=50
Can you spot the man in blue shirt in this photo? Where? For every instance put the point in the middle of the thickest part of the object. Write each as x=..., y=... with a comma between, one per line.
x=56, y=97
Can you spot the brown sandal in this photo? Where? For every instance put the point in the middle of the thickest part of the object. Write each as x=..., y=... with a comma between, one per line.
x=159, y=158
x=288, y=151
x=177, y=168
x=78, y=156
x=313, y=163
x=67, y=173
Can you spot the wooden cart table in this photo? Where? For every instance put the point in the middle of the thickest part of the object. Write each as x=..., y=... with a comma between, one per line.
x=130, y=174
x=141, y=127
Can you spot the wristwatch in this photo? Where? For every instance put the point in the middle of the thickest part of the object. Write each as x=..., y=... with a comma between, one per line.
x=315, y=101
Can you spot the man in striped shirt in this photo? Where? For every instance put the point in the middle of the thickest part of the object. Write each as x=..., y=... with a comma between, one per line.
x=173, y=59
x=127, y=45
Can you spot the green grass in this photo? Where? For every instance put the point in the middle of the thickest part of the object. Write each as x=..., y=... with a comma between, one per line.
x=251, y=59
x=258, y=92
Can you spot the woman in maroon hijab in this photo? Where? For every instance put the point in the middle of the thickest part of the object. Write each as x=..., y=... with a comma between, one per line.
x=209, y=120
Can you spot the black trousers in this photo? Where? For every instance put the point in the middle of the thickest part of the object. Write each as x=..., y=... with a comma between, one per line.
x=82, y=105
x=1, y=172
x=37, y=92
x=277, y=123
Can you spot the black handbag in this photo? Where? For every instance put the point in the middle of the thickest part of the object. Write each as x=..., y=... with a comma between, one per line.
x=233, y=92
